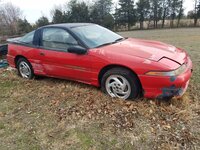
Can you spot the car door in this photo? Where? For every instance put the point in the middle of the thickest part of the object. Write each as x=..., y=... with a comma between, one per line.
x=56, y=59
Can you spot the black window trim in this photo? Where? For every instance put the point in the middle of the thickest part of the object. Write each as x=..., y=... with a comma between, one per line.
x=37, y=39
x=53, y=49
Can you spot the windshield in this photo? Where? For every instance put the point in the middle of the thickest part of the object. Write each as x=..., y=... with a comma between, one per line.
x=96, y=36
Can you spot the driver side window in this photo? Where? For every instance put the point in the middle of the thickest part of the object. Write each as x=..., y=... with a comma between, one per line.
x=57, y=39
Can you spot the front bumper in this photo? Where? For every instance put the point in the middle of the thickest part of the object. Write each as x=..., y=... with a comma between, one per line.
x=166, y=87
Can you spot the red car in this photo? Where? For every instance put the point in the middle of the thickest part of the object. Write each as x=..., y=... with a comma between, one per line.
x=123, y=67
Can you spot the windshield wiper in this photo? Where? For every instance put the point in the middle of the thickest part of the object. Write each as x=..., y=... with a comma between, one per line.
x=109, y=43
x=117, y=40
x=120, y=39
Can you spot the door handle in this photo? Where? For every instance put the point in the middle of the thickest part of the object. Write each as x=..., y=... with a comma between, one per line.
x=42, y=54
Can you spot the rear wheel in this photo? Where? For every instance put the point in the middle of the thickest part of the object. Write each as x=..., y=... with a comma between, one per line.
x=24, y=68
x=121, y=83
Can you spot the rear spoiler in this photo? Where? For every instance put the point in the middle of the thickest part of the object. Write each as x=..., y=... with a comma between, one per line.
x=11, y=40
x=3, y=49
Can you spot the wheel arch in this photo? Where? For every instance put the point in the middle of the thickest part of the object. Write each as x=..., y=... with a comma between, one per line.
x=108, y=67
x=17, y=58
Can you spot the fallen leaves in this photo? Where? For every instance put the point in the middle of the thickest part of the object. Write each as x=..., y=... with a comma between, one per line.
x=2, y=114
x=68, y=101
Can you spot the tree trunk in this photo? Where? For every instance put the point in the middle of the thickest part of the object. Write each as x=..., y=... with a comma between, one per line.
x=195, y=21
x=172, y=20
x=129, y=26
x=129, y=20
x=163, y=19
x=180, y=14
x=178, y=22
x=148, y=23
x=156, y=24
x=179, y=18
x=195, y=13
x=172, y=23
x=141, y=25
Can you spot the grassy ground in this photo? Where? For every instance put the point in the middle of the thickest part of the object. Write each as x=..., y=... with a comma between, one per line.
x=58, y=114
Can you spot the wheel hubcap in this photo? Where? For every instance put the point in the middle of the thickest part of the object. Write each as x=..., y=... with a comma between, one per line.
x=24, y=70
x=118, y=86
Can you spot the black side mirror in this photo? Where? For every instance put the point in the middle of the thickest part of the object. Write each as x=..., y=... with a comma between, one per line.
x=77, y=50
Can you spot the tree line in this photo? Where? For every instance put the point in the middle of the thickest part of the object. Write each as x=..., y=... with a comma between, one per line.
x=124, y=14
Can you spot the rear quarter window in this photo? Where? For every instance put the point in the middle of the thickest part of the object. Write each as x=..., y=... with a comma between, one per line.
x=28, y=38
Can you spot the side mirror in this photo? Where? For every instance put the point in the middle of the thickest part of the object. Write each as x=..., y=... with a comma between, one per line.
x=77, y=50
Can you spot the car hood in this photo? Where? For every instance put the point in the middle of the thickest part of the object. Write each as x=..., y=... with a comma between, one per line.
x=152, y=50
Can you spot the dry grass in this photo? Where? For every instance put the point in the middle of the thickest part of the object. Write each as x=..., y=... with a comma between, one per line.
x=58, y=114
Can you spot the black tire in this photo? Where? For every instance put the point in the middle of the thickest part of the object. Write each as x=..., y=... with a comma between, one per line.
x=19, y=61
x=129, y=76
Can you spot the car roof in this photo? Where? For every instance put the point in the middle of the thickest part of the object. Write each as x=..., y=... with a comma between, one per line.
x=69, y=25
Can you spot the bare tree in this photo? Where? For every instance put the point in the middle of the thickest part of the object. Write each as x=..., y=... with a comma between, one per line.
x=165, y=10
x=9, y=15
x=156, y=11
x=180, y=13
x=196, y=14
x=143, y=8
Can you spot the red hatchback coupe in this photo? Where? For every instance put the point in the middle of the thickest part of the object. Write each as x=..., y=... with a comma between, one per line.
x=123, y=67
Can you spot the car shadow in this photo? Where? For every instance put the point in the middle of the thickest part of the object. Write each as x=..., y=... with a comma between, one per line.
x=158, y=102
x=66, y=81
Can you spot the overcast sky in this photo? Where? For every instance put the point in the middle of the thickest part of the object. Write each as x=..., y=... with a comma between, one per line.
x=33, y=9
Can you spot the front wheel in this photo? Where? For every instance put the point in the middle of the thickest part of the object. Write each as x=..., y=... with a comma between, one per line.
x=24, y=68
x=121, y=83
